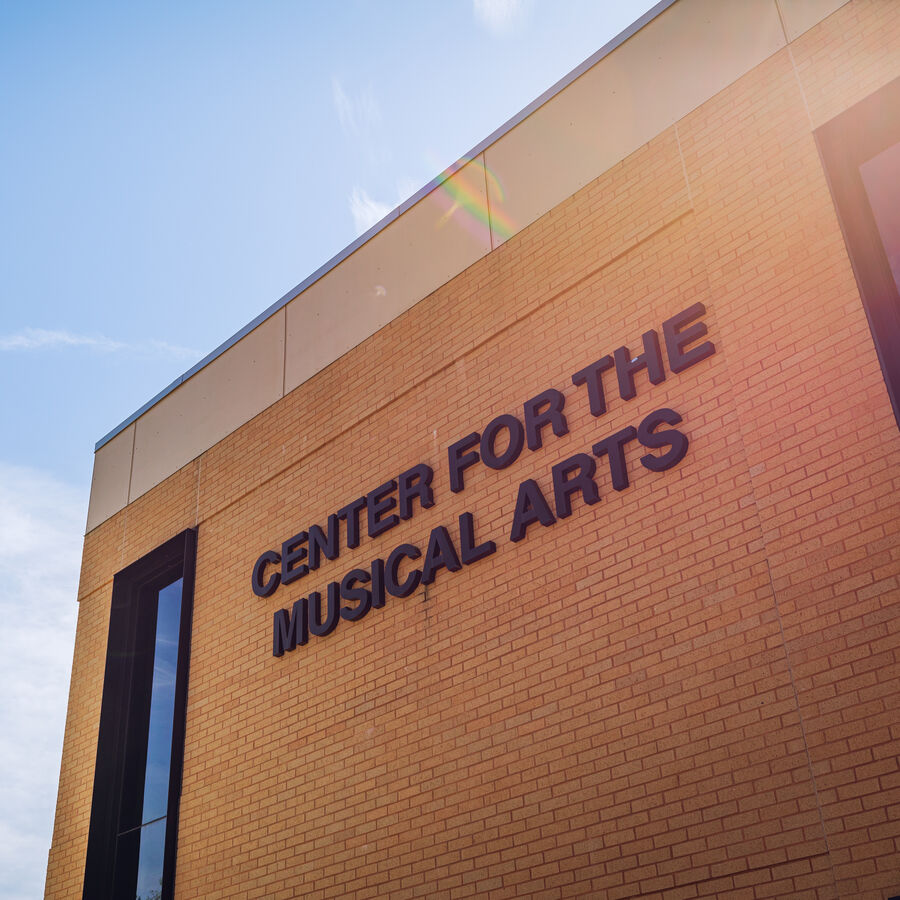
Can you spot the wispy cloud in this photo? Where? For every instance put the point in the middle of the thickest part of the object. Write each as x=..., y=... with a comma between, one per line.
x=38, y=338
x=500, y=17
x=358, y=114
x=366, y=211
x=40, y=519
x=42, y=339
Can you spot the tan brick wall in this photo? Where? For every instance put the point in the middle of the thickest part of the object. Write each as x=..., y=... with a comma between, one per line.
x=687, y=690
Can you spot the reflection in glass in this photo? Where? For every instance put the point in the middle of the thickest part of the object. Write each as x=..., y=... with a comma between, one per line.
x=150, y=862
x=881, y=178
x=162, y=703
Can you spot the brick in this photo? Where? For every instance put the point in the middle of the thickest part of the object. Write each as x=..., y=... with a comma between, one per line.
x=679, y=691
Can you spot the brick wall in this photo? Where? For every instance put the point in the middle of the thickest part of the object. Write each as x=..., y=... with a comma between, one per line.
x=688, y=689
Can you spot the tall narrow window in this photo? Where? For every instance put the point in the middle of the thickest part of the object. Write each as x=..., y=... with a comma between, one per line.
x=137, y=783
x=861, y=152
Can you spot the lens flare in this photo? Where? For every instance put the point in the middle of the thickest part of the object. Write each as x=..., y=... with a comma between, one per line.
x=465, y=201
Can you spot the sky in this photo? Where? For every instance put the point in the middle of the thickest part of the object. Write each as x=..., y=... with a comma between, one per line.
x=168, y=171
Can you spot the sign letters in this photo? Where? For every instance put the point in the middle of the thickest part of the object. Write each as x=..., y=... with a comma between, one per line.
x=450, y=548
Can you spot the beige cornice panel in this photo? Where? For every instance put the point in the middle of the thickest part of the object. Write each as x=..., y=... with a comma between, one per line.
x=211, y=404
x=672, y=65
x=111, y=477
x=439, y=237
x=801, y=15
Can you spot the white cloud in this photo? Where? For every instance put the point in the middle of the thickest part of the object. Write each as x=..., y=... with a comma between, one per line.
x=41, y=527
x=359, y=115
x=366, y=211
x=36, y=338
x=42, y=339
x=500, y=16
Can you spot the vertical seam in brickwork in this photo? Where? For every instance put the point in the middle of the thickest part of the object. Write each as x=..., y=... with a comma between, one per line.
x=124, y=535
x=812, y=775
x=487, y=199
x=784, y=644
x=800, y=86
x=197, y=508
x=687, y=181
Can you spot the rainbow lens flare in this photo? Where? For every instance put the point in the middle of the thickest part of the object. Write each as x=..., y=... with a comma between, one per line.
x=463, y=199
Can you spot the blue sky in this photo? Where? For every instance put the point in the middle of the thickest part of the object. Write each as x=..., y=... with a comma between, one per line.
x=167, y=171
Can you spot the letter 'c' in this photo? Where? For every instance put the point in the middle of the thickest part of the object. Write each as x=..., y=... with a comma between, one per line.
x=393, y=565
x=265, y=589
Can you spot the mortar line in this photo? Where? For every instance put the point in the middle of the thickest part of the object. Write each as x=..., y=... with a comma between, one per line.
x=800, y=86
x=787, y=44
x=765, y=548
x=700, y=881
x=124, y=536
x=197, y=508
x=687, y=181
x=809, y=765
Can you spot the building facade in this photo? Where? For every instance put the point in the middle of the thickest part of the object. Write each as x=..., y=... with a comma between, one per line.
x=545, y=542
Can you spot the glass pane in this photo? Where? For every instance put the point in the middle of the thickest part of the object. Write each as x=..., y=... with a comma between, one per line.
x=162, y=703
x=881, y=177
x=150, y=864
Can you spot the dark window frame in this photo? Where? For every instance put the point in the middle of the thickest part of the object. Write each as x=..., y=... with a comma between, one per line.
x=125, y=703
x=845, y=143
